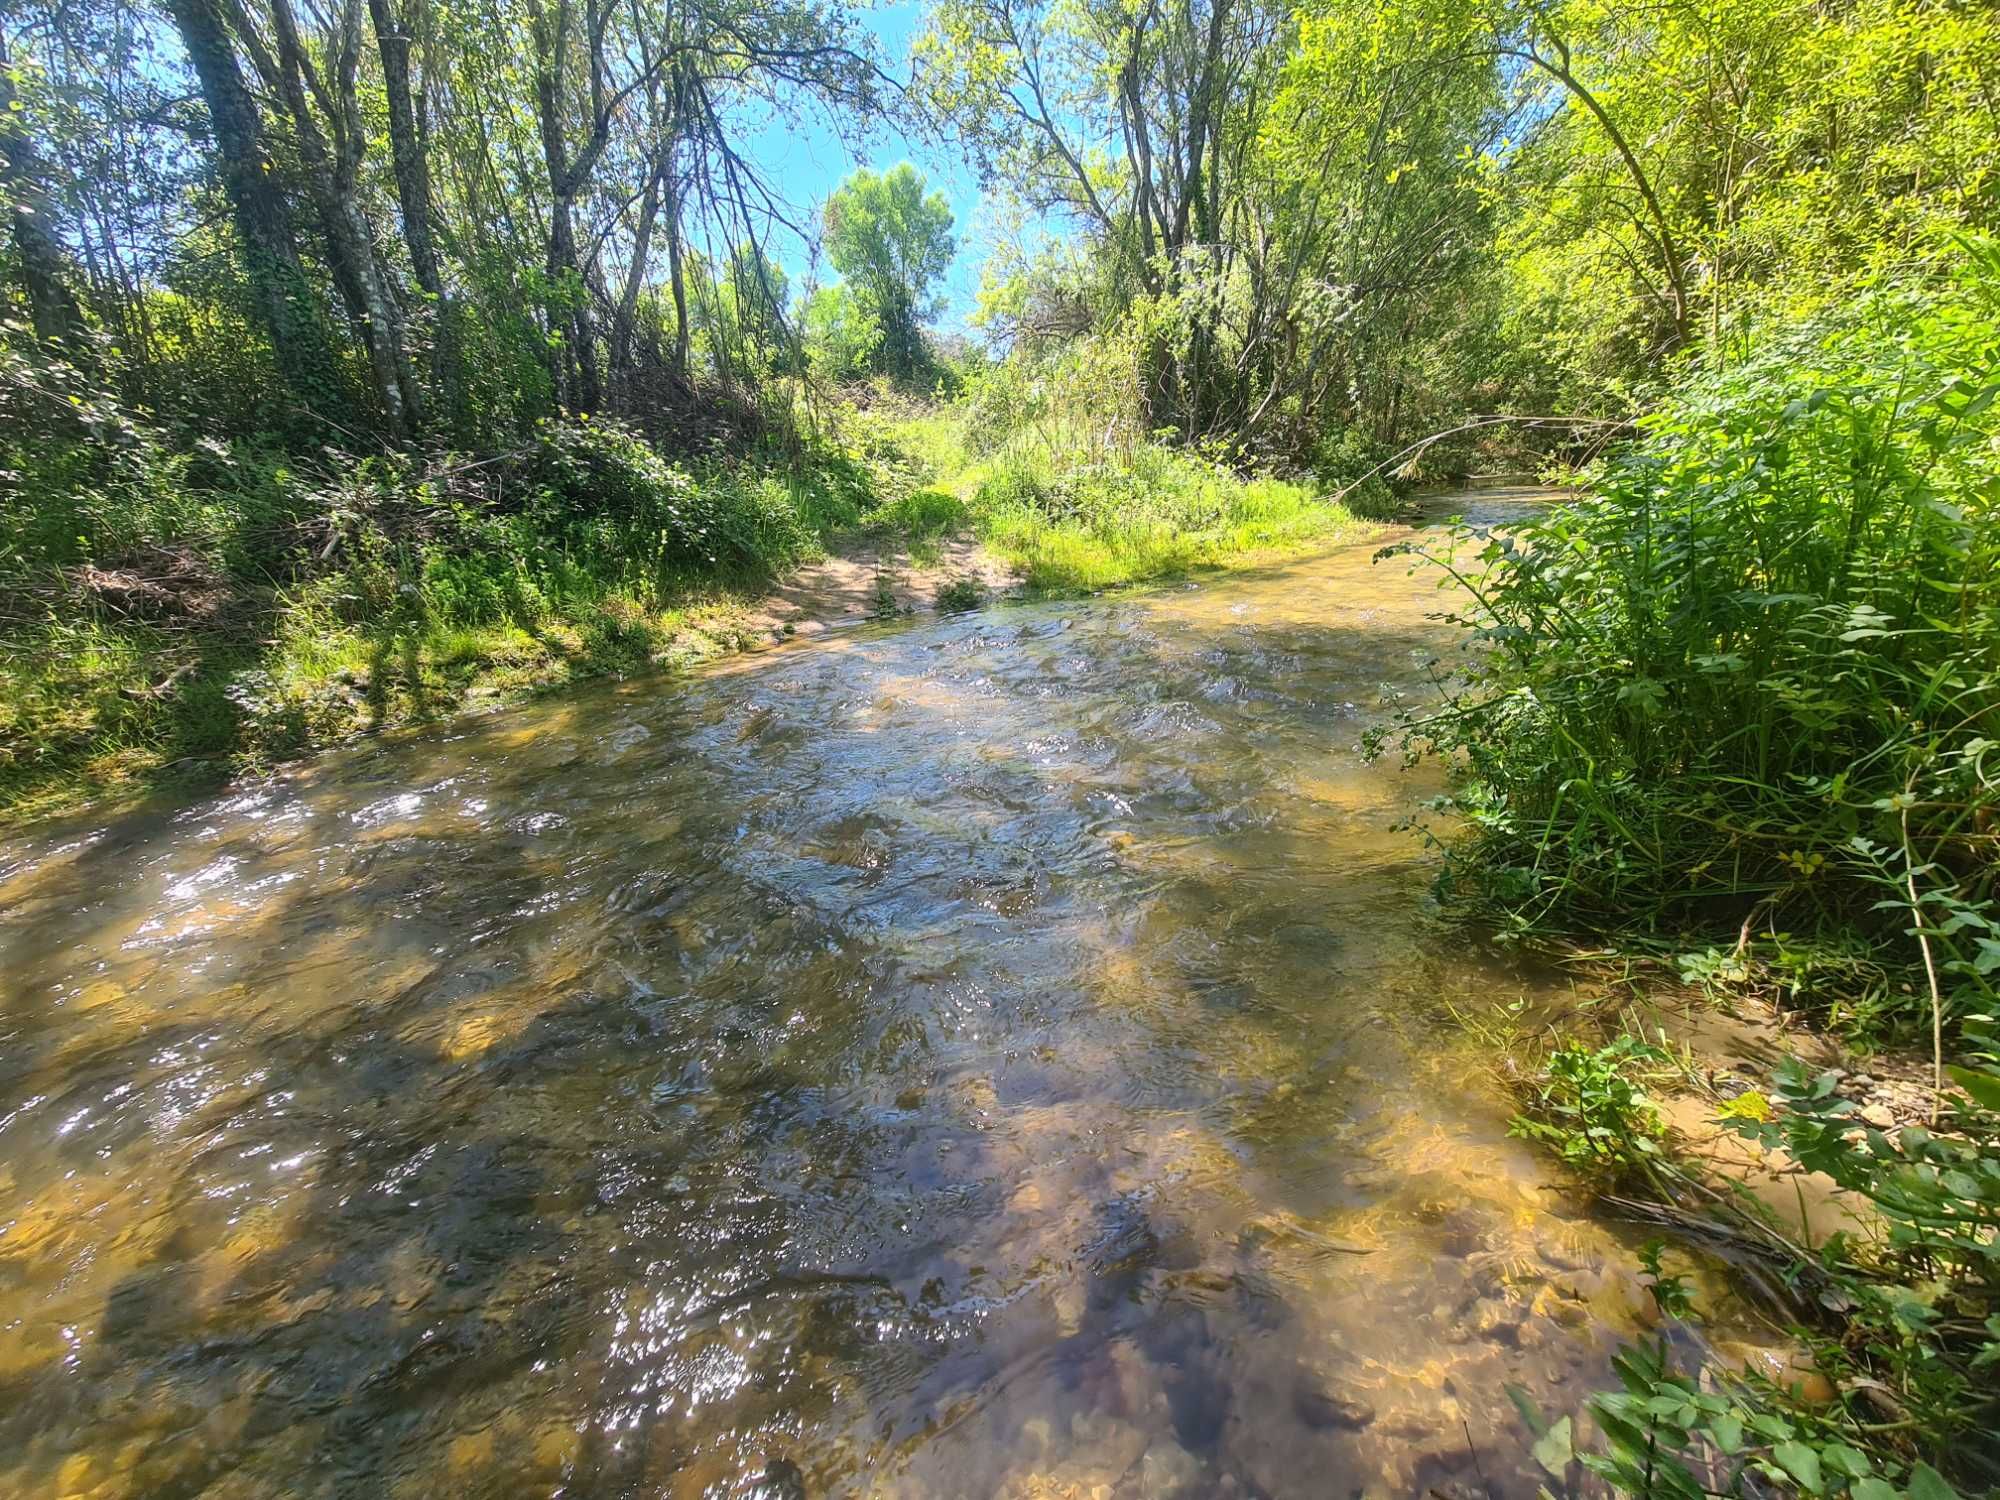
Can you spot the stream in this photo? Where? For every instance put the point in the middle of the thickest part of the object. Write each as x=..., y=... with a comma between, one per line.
x=997, y=1055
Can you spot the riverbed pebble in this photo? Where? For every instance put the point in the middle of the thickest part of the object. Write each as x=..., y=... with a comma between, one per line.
x=1321, y=1405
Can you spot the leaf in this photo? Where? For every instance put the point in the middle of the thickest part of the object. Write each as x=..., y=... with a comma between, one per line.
x=1727, y=1430
x=1927, y=1484
x=1553, y=1450
x=1983, y=1086
x=1525, y=1405
x=1748, y=1105
x=1801, y=1462
x=1873, y=1489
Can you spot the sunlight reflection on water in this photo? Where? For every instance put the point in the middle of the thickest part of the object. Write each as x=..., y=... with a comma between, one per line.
x=1001, y=1055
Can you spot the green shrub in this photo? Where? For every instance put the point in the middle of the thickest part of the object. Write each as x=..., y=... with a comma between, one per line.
x=1590, y=1103
x=1753, y=680
x=959, y=595
x=1343, y=459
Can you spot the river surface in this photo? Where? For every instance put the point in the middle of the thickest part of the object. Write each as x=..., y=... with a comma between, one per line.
x=996, y=1056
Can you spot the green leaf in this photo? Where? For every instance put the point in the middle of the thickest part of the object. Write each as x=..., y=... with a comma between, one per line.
x=1927, y=1484
x=1983, y=1086
x=1554, y=1449
x=1801, y=1462
x=1727, y=1430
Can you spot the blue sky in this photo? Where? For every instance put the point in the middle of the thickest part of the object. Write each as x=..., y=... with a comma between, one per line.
x=805, y=160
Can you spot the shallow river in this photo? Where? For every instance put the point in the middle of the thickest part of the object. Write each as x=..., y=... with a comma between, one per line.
x=996, y=1056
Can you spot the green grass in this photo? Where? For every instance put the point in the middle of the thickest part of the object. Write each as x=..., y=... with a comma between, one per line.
x=413, y=596
x=1159, y=521
x=82, y=720
x=1073, y=521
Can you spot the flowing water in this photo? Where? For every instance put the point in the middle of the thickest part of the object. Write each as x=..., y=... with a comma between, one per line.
x=1004, y=1055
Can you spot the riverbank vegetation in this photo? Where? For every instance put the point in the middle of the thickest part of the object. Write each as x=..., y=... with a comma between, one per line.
x=357, y=360
x=1732, y=714
x=363, y=357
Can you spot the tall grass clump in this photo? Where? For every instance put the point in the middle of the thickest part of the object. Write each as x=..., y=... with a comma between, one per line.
x=1749, y=688
x=1071, y=523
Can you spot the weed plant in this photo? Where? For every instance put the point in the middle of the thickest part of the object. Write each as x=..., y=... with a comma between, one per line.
x=1747, y=691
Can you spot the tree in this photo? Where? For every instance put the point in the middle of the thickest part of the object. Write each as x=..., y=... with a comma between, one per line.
x=284, y=300
x=37, y=240
x=842, y=333
x=892, y=241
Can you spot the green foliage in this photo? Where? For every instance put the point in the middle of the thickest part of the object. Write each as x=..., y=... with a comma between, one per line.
x=1934, y=1282
x=960, y=595
x=925, y=517
x=1904, y=1318
x=1590, y=1103
x=620, y=509
x=1792, y=149
x=842, y=333
x=892, y=241
x=1665, y=1432
x=1075, y=525
x=1756, y=675
x=176, y=614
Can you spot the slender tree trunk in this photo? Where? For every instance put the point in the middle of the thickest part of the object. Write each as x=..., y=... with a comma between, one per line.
x=350, y=241
x=585, y=389
x=625, y=318
x=677, y=277
x=58, y=318
x=413, y=173
x=284, y=302
x=409, y=131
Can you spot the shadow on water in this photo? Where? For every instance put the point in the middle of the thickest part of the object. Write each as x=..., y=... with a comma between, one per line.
x=996, y=1057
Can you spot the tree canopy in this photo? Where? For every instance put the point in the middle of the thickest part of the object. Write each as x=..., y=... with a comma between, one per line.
x=891, y=240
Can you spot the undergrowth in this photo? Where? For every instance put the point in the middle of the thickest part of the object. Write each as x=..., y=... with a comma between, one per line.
x=1901, y=1320
x=175, y=614
x=1073, y=513
x=1738, y=708
x=1743, y=700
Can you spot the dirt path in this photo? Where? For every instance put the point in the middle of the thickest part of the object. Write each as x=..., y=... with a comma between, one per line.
x=872, y=578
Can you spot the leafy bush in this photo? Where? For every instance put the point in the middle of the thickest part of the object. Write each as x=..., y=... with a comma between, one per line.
x=1590, y=1103
x=1753, y=681
x=959, y=595
x=608, y=495
x=1344, y=459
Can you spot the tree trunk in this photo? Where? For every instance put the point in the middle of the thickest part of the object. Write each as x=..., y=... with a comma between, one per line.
x=677, y=278
x=350, y=242
x=409, y=150
x=284, y=302
x=413, y=173
x=581, y=387
x=626, y=317
x=24, y=179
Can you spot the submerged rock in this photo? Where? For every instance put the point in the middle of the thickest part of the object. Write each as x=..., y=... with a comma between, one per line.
x=1169, y=1470
x=1319, y=1405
